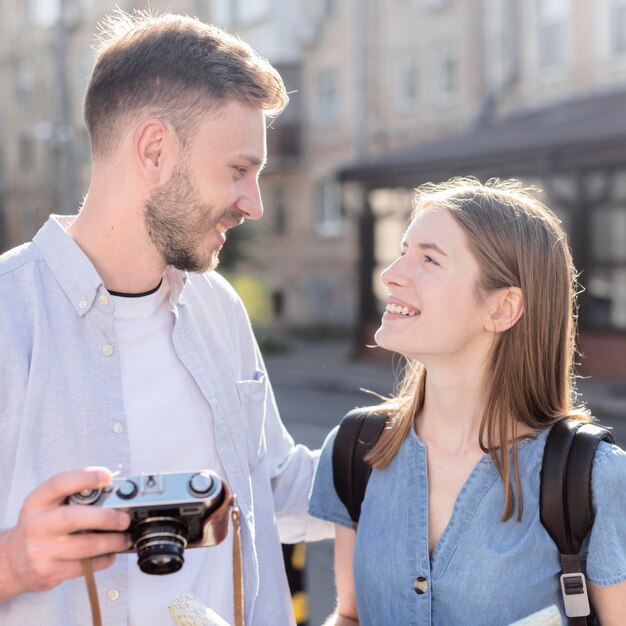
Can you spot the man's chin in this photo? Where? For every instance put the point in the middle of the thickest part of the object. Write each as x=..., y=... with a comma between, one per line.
x=209, y=266
x=196, y=265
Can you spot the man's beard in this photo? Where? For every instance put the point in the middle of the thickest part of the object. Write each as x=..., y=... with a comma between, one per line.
x=176, y=222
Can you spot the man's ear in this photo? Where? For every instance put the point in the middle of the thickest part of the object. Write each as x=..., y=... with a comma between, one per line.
x=506, y=308
x=156, y=149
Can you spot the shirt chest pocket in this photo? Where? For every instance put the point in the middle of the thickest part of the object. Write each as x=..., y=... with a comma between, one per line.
x=252, y=396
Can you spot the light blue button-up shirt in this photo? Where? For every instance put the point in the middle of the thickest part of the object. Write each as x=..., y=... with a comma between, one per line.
x=61, y=409
x=483, y=571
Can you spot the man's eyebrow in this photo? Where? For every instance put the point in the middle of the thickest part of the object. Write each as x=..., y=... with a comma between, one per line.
x=252, y=159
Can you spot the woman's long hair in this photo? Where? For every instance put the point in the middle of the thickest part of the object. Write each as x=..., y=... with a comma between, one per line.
x=518, y=242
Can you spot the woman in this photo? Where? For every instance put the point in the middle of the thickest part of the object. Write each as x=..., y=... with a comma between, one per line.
x=481, y=302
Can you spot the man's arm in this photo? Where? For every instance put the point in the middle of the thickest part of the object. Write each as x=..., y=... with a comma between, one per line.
x=46, y=545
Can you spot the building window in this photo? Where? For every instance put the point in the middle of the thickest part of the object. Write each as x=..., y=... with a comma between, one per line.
x=229, y=13
x=447, y=77
x=407, y=91
x=26, y=151
x=328, y=98
x=329, y=7
x=25, y=83
x=280, y=211
x=29, y=221
x=618, y=27
x=329, y=219
x=435, y=4
x=606, y=281
x=552, y=32
x=43, y=13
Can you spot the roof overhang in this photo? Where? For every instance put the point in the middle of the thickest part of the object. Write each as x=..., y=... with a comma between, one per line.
x=582, y=134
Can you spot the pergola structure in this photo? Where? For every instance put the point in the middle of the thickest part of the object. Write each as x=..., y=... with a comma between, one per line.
x=577, y=149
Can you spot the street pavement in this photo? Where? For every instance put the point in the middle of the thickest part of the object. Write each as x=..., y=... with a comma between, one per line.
x=317, y=382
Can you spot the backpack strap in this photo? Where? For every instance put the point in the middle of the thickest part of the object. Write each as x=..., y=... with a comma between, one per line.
x=358, y=432
x=565, y=505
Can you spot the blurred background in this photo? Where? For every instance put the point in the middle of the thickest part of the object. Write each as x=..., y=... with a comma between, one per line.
x=385, y=95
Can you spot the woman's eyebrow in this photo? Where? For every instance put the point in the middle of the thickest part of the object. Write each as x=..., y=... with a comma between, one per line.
x=431, y=246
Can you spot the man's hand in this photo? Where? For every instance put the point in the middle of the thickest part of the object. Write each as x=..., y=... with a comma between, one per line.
x=49, y=540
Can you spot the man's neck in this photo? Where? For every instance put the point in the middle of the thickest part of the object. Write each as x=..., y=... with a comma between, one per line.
x=119, y=249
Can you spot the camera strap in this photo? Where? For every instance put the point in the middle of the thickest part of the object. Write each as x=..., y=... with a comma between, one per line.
x=237, y=563
x=96, y=617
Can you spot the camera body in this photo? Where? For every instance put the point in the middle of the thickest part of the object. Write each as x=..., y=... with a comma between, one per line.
x=169, y=512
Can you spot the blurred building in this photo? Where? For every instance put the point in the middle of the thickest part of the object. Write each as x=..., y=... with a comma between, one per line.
x=545, y=105
x=2, y=135
x=385, y=95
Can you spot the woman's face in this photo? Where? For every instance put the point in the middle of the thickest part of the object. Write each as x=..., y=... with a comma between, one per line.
x=434, y=307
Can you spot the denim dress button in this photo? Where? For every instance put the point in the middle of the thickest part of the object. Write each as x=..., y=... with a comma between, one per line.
x=420, y=585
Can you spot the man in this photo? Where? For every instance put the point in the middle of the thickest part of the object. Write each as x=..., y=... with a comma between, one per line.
x=120, y=348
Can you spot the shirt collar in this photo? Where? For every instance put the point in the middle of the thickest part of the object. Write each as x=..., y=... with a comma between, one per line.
x=68, y=263
x=74, y=271
x=177, y=280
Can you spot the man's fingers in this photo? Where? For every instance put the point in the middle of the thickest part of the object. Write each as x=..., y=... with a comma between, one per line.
x=68, y=519
x=93, y=545
x=65, y=570
x=56, y=489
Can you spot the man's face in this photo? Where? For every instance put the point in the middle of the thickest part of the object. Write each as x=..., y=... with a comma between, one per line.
x=214, y=187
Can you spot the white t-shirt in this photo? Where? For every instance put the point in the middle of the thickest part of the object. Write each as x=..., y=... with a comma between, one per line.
x=170, y=428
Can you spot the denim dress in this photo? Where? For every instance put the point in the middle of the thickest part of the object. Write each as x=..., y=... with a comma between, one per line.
x=482, y=571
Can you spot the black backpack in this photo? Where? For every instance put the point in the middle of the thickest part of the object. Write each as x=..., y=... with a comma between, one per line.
x=565, y=493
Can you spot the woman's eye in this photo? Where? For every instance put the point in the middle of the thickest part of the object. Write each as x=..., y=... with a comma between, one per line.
x=430, y=259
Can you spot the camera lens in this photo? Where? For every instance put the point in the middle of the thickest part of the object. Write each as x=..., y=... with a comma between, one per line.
x=160, y=542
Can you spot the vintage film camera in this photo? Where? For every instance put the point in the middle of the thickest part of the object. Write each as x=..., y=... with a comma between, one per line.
x=169, y=511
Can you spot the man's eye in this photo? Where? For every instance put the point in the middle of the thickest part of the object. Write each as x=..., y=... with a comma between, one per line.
x=242, y=171
x=430, y=259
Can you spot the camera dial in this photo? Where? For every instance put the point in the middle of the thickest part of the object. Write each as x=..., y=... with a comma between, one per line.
x=86, y=496
x=127, y=490
x=201, y=484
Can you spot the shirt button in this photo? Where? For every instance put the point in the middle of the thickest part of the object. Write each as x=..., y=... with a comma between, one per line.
x=107, y=350
x=104, y=300
x=82, y=304
x=113, y=594
x=118, y=428
x=420, y=585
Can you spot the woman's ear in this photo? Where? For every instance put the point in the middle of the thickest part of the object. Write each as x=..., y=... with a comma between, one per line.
x=506, y=308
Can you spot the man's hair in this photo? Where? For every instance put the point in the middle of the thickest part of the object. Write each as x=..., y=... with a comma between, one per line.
x=175, y=68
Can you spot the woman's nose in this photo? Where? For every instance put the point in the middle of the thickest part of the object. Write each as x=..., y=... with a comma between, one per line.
x=393, y=274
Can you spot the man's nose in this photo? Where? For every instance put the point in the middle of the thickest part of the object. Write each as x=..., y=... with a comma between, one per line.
x=250, y=203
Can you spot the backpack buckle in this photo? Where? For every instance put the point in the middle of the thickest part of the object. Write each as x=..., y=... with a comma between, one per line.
x=575, y=598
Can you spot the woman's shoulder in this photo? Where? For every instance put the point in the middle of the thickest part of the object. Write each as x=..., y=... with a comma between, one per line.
x=609, y=463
